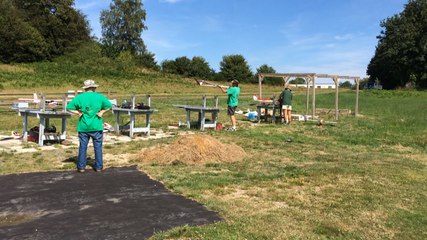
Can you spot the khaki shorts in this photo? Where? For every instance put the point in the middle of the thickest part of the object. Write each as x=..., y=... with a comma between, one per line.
x=287, y=107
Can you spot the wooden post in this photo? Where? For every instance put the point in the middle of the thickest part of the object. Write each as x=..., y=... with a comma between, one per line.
x=133, y=102
x=204, y=101
x=285, y=81
x=307, y=95
x=149, y=100
x=64, y=103
x=336, y=97
x=313, y=98
x=216, y=101
x=43, y=102
x=260, y=79
x=356, y=107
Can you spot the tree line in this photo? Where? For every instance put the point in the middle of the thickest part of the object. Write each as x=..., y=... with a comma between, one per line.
x=41, y=30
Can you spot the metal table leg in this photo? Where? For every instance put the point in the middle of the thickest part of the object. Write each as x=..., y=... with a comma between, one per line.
x=41, y=130
x=25, y=127
x=132, y=124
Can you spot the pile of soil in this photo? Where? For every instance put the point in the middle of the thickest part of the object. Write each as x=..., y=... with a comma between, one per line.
x=193, y=149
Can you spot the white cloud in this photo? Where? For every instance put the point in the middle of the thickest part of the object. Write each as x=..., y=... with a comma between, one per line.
x=344, y=37
x=292, y=27
x=212, y=24
x=170, y=1
x=329, y=45
x=159, y=43
x=308, y=41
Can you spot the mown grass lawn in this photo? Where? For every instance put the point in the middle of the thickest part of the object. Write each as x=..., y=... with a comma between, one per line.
x=364, y=178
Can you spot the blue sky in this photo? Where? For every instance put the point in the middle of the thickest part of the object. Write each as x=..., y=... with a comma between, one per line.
x=292, y=36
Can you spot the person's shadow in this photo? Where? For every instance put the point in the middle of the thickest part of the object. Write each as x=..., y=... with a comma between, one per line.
x=90, y=161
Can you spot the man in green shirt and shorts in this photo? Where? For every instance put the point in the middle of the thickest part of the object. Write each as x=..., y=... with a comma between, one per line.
x=232, y=102
x=90, y=106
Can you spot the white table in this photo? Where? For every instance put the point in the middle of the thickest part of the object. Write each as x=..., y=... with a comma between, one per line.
x=132, y=112
x=44, y=117
x=202, y=110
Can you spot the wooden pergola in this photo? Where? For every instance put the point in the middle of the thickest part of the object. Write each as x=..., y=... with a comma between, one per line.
x=311, y=78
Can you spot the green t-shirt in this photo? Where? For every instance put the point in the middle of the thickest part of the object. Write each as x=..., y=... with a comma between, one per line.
x=233, y=96
x=287, y=97
x=89, y=103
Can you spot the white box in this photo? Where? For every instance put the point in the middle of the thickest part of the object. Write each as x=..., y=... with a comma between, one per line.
x=20, y=105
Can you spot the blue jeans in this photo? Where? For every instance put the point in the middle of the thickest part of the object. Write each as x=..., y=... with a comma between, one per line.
x=97, y=138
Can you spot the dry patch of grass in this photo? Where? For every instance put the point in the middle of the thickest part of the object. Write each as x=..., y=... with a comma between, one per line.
x=15, y=69
x=12, y=218
x=15, y=219
x=118, y=160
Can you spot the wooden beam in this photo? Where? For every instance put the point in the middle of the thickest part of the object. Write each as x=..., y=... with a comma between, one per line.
x=303, y=75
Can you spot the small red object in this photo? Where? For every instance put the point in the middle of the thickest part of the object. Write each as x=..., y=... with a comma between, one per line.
x=219, y=126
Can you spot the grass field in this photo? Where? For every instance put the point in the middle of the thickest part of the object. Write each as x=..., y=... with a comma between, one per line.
x=364, y=178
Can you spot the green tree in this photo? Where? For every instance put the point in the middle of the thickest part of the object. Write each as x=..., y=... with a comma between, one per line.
x=125, y=61
x=147, y=60
x=122, y=27
x=168, y=66
x=40, y=29
x=235, y=67
x=200, y=68
x=268, y=80
x=400, y=56
x=19, y=41
x=345, y=84
x=63, y=27
x=183, y=66
x=298, y=80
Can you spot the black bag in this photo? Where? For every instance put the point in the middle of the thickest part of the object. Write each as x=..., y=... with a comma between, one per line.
x=126, y=105
x=279, y=100
x=141, y=106
x=50, y=129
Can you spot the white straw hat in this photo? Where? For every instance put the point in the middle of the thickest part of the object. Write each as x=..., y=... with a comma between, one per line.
x=90, y=84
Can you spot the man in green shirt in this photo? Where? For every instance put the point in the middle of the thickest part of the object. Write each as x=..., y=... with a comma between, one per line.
x=90, y=106
x=232, y=102
x=287, y=105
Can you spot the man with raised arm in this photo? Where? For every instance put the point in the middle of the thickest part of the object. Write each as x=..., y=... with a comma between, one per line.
x=232, y=102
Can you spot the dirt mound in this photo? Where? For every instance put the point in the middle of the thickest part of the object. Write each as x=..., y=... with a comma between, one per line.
x=193, y=149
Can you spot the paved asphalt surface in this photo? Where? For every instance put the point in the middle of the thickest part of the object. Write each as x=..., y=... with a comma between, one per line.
x=119, y=203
